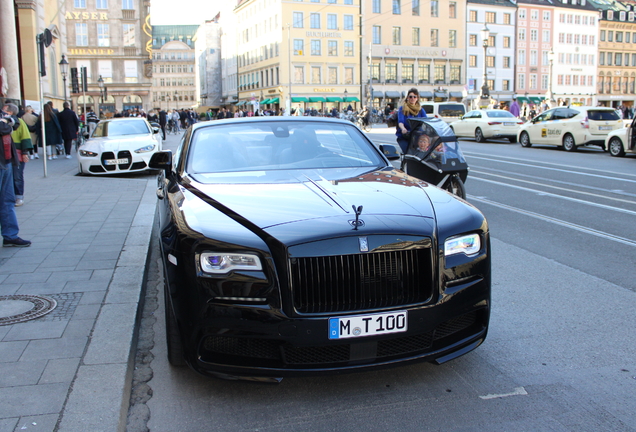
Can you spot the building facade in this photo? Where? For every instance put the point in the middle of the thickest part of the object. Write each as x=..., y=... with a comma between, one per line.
x=174, y=75
x=111, y=39
x=413, y=44
x=207, y=45
x=499, y=18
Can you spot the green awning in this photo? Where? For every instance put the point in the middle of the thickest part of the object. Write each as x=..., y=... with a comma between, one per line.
x=521, y=99
x=239, y=103
x=274, y=101
x=334, y=99
x=299, y=99
x=535, y=99
x=316, y=99
x=351, y=99
x=264, y=101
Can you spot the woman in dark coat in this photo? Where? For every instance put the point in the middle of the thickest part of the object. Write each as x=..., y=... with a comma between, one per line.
x=53, y=131
x=70, y=125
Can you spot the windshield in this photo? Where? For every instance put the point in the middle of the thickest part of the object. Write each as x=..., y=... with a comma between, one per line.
x=279, y=145
x=597, y=115
x=499, y=113
x=120, y=128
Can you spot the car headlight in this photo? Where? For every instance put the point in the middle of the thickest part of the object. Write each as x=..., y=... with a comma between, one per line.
x=468, y=244
x=145, y=149
x=221, y=262
x=87, y=153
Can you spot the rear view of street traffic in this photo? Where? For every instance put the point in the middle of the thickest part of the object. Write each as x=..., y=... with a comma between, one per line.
x=561, y=350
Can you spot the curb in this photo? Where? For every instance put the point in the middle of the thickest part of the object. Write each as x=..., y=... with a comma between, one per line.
x=100, y=393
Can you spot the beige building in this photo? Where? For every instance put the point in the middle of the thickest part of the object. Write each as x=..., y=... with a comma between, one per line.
x=413, y=44
x=111, y=39
x=174, y=75
x=298, y=54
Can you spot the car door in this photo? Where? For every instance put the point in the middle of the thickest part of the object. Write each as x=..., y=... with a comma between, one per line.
x=459, y=126
x=538, y=129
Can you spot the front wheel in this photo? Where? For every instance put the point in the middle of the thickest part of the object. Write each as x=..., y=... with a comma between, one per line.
x=568, y=143
x=524, y=140
x=616, y=147
x=455, y=185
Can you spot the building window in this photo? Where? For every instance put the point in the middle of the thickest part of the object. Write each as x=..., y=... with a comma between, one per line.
x=103, y=35
x=348, y=75
x=490, y=61
x=521, y=57
x=506, y=18
x=375, y=72
x=522, y=34
x=546, y=15
x=618, y=59
x=440, y=74
x=533, y=57
x=452, y=38
x=299, y=75
x=522, y=14
x=619, y=37
x=80, y=4
x=314, y=20
x=415, y=36
x=415, y=7
x=434, y=37
x=333, y=75
x=315, y=75
x=377, y=34
x=521, y=81
x=505, y=85
x=472, y=40
x=348, y=48
x=101, y=4
x=332, y=21
x=332, y=48
x=407, y=73
x=348, y=2
x=128, y=31
x=390, y=72
x=452, y=9
x=544, y=82
x=506, y=62
x=534, y=35
x=315, y=47
x=299, y=47
x=472, y=60
x=127, y=4
x=348, y=22
x=533, y=81
x=506, y=41
x=397, y=36
x=492, y=41
x=455, y=74
x=491, y=17
x=472, y=16
x=434, y=8
x=298, y=20
x=377, y=6
x=424, y=73
x=81, y=34
x=397, y=7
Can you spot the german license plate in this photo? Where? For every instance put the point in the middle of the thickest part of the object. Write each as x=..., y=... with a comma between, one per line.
x=367, y=325
x=115, y=161
x=605, y=128
x=510, y=124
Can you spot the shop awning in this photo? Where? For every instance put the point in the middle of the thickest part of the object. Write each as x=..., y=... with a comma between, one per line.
x=456, y=94
x=426, y=95
x=521, y=100
x=535, y=99
x=273, y=101
x=264, y=101
x=299, y=99
x=333, y=99
x=239, y=103
x=378, y=95
x=351, y=99
x=316, y=99
x=441, y=95
x=393, y=95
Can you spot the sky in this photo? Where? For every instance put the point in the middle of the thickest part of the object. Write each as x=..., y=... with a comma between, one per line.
x=182, y=12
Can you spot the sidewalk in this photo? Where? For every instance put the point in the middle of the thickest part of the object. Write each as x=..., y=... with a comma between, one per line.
x=69, y=370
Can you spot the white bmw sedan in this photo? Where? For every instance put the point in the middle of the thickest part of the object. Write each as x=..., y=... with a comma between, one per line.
x=485, y=124
x=117, y=146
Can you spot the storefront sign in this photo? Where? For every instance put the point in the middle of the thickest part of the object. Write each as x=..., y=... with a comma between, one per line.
x=98, y=16
x=324, y=34
x=413, y=52
x=91, y=51
x=324, y=90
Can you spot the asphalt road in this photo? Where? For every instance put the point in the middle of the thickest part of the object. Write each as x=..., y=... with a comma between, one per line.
x=561, y=352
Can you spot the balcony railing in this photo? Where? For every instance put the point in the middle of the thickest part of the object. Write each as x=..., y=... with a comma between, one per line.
x=128, y=14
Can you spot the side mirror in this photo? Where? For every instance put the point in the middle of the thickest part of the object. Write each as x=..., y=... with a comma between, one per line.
x=161, y=160
x=389, y=151
x=155, y=130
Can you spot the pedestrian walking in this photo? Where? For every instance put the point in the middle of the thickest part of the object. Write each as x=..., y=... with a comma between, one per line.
x=8, y=159
x=31, y=120
x=53, y=131
x=70, y=126
x=163, y=120
x=514, y=108
x=22, y=141
x=91, y=120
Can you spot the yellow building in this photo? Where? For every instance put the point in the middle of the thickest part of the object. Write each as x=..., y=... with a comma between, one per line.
x=298, y=54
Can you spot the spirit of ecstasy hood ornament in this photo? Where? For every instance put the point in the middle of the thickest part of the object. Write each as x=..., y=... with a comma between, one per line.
x=357, y=223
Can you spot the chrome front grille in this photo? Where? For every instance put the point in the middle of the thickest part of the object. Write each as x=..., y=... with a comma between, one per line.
x=346, y=283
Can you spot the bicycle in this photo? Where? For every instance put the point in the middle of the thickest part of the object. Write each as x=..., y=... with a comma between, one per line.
x=362, y=125
x=171, y=128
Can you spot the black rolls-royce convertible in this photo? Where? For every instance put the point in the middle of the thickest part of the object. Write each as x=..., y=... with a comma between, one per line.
x=292, y=246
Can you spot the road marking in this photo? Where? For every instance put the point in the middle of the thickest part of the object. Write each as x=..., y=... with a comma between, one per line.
x=519, y=391
x=562, y=223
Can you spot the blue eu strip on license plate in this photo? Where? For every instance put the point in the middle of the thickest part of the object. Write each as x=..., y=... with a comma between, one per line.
x=368, y=325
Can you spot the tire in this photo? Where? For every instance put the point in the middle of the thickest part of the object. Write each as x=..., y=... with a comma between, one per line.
x=512, y=140
x=479, y=136
x=616, y=147
x=524, y=140
x=455, y=185
x=568, y=143
x=173, y=336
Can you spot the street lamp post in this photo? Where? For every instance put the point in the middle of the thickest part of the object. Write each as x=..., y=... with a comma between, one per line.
x=344, y=100
x=484, y=96
x=64, y=70
x=550, y=95
x=176, y=99
x=100, y=83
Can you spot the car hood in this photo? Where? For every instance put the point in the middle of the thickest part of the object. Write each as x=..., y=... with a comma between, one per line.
x=382, y=195
x=116, y=143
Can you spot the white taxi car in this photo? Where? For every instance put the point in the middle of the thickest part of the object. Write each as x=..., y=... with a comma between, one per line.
x=571, y=127
x=622, y=140
x=484, y=124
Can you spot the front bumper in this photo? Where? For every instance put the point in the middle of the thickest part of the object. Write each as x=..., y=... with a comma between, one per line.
x=98, y=165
